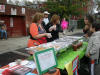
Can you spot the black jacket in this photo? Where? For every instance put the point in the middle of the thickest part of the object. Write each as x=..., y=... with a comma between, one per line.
x=54, y=33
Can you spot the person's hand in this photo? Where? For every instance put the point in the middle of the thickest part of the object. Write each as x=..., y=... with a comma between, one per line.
x=88, y=54
x=48, y=35
x=52, y=28
x=86, y=35
x=86, y=27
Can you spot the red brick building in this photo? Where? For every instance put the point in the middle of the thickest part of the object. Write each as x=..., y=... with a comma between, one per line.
x=16, y=18
x=3, y=1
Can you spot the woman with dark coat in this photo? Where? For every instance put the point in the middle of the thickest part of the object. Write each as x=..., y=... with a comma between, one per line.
x=54, y=28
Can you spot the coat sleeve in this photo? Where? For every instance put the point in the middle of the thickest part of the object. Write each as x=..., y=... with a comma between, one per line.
x=47, y=27
x=93, y=45
x=89, y=46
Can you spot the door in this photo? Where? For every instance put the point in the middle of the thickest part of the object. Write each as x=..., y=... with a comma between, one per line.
x=15, y=25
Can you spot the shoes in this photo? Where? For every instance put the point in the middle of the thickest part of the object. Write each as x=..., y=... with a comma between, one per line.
x=3, y=39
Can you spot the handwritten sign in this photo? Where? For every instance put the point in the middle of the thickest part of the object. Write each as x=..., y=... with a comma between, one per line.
x=45, y=60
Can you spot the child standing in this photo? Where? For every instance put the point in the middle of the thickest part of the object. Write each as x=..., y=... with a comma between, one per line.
x=64, y=25
x=94, y=47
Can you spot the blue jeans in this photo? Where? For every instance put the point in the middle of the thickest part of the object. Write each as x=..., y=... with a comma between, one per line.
x=3, y=32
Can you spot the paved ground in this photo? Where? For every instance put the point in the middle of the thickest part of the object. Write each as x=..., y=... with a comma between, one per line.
x=76, y=32
x=12, y=44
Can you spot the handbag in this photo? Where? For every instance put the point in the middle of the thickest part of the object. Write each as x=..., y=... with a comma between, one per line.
x=42, y=40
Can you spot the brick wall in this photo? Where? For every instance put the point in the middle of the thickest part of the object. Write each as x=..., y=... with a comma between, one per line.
x=28, y=12
x=27, y=16
x=3, y=1
x=18, y=8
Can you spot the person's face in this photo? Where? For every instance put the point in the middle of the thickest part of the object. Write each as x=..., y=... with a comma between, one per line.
x=58, y=21
x=46, y=15
x=86, y=20
x=40, y=21
x=64, y=19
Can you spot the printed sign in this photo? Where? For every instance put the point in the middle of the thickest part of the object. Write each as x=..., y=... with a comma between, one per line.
x=45, y=60
x=2, y=8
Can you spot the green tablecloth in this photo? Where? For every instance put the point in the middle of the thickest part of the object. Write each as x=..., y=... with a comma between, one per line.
x=69, y=55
